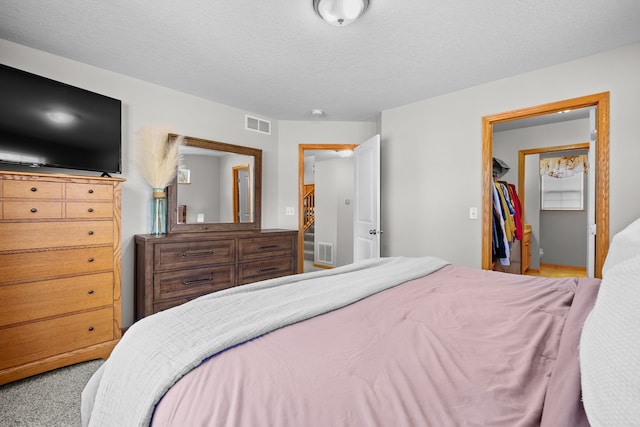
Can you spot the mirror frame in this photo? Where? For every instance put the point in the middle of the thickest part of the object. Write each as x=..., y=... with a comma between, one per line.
x=174, y=227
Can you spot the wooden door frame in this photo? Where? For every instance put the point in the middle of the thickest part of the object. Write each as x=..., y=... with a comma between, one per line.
x=236, y=191
x=522, y=154
x=601, y=102
x=301, y=149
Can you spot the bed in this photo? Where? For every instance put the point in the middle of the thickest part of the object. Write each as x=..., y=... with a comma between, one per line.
x=386, y=342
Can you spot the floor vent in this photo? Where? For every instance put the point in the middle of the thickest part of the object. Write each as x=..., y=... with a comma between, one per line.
x=257, y=125
x=325, y=253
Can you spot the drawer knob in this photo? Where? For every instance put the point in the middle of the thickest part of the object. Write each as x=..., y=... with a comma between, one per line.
x=34, y=210
x=90, y=232
x=90, y=191
x=90, y=209
x=34, y=189
x=91, y=259
x=90, y=292
x=90, y=328
x=264, y=270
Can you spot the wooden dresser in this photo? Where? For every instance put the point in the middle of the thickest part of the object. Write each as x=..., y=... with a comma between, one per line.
x=59, y=271
x=175, y=268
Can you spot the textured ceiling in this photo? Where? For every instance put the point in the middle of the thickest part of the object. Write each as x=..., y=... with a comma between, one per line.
x=277, y=58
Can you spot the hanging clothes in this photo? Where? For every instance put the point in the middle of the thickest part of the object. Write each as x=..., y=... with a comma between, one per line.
x=518, y=208
x=507, y=210
x=501, y=242
x=507, y=224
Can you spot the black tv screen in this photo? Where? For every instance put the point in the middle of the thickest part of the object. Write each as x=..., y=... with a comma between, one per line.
x=48, y=123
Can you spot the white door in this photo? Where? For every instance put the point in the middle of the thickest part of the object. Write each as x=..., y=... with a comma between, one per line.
x=367, y=200
x=591, y=196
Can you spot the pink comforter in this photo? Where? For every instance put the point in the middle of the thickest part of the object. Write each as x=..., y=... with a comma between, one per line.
x=459, y=347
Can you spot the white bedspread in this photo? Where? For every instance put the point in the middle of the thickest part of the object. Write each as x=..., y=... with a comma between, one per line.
x=158, y=350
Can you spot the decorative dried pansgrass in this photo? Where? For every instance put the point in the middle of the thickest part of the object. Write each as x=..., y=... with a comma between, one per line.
x=158, y=158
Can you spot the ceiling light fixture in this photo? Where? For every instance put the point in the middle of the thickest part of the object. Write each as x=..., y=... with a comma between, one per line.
x=340, y=12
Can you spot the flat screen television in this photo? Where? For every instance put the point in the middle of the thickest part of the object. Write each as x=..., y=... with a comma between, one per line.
x=44, y=122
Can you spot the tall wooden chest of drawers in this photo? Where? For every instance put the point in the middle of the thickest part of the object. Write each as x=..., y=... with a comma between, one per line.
x=59, y=271
x=175, y=268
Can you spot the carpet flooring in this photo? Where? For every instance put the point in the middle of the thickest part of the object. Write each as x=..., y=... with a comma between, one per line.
x=51, y=399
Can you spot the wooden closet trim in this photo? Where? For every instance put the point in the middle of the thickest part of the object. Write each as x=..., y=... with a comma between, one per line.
x=601, y=102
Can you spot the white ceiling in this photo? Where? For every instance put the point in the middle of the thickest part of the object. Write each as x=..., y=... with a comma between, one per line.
x=277, y=59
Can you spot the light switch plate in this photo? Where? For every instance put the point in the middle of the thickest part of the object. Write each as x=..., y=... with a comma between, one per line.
x=473, y=213
x=290, y=210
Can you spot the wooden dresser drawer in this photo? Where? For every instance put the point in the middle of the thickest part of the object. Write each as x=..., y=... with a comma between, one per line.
x=32, y=266
x=78, y=191
x=254, y=271
x=37, y=300
x=261, y=247
x=32, y=209
x=198, y=253
x=32, y=189
x=192, y=282
x=37, y=340
x=88, y=210
x=40, y=235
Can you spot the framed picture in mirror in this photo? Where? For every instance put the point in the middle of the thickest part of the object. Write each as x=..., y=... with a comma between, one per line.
x=184, y=176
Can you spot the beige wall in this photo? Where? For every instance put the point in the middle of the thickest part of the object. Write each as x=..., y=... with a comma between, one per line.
x=431, y=152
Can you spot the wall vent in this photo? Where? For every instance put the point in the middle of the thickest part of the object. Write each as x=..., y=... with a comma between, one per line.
x=325, y=253
x=257, y=125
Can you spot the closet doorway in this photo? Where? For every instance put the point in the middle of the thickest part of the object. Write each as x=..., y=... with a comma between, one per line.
x=601, y=146
x=561, y=231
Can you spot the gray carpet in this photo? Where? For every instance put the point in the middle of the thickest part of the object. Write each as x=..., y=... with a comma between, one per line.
x=51, y=399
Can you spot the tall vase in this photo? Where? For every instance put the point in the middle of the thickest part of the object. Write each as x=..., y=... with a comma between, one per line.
x=159, y=212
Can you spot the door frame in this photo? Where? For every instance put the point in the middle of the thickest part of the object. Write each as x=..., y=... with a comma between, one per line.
x=598, y=100
x=235, y=170
x=301, y=150
x=522, y=154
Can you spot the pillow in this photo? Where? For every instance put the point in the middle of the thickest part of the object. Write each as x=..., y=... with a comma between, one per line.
x=624, y=245
x=610, y=340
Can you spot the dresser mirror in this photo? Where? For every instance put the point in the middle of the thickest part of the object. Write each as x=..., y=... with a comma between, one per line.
x=217, y=187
